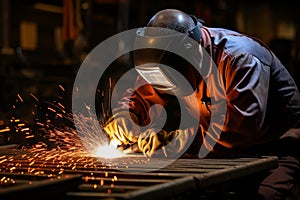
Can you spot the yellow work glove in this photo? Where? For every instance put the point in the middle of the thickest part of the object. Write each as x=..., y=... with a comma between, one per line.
x=122, y=129
x=172, y=143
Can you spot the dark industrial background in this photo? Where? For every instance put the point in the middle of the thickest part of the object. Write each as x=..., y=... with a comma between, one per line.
x=39, y=63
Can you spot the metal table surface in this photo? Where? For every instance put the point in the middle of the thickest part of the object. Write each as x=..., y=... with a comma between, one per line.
x=67, y=176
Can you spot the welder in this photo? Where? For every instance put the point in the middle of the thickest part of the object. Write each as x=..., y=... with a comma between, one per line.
x=261, y=99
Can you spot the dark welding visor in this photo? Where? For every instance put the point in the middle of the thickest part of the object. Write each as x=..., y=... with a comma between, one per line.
x=168, y=60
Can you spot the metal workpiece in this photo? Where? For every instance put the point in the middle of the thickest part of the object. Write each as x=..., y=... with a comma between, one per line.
x=67, y=175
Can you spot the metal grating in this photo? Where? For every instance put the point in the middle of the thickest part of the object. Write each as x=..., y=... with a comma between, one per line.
x=67, y=176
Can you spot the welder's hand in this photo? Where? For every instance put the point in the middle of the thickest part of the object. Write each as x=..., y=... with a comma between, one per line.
x=179, y=141
x=172, y=143
x=150, y=140
x=123, y=130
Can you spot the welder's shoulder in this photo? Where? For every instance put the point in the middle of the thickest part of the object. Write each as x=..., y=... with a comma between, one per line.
x=235, y=44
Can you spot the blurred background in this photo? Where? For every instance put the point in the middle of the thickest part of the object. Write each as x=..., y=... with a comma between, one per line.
x=43, y=42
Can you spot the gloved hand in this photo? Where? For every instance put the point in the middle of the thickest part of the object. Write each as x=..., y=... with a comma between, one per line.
x=171, y=143
x=122, y=128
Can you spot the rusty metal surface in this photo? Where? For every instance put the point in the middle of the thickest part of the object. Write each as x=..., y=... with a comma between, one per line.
x=71, y=177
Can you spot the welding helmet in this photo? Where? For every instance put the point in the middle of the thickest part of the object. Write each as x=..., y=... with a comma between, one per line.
x=174, y=32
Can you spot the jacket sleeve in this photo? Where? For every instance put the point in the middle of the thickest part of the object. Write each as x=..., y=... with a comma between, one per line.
x=247, y=88
x=140, y=99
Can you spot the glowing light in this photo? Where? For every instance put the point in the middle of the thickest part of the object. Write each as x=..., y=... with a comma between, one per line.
x=151, y=41
x=20, y=97
x=4, y=130
x=61, y=87
x=107, y=151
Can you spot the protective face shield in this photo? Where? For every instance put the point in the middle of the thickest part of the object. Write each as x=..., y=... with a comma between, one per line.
x=168, y=60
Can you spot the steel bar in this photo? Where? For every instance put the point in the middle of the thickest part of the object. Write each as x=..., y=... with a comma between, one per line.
x=83, y=177
x=39, y=189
